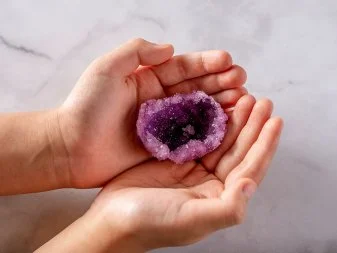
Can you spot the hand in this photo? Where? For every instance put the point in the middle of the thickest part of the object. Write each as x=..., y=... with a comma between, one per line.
x=98, y=119
x=163, y=204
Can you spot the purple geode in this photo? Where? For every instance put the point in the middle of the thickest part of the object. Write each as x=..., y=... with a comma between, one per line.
x=181, y=128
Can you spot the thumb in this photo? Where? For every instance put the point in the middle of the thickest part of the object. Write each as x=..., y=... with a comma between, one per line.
x=235, y=198
x=125, y=59
x=209, y=215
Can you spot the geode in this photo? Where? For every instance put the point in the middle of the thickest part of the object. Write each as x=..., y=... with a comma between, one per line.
x=181, y=128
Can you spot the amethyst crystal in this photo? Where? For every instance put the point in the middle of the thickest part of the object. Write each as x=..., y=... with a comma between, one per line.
x=182, y=127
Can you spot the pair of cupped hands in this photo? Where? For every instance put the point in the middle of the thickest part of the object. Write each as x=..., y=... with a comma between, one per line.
x=159, y=203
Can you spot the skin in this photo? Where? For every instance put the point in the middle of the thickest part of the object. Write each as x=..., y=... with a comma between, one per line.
x=107, y=97
x=145, y=203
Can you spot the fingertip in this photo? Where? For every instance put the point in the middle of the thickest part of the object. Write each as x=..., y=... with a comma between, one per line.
x=215, y=61
x=235, y=75
x=243, y=74
x=247, y=99
x=168, y=48
x=158, y=53
x=245, y=103
x=266, y=102
x=278, y=121
x=228, y=98
x=276, y=127
x=225, y=58
x=149, y=46
x=264, y=107
x=275, y=124
x=137, y=41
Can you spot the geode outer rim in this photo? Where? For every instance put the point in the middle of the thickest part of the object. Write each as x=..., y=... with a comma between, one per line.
x=178, y=155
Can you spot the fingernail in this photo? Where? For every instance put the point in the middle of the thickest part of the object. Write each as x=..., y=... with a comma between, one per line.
x=249, y=189
x=163, y=45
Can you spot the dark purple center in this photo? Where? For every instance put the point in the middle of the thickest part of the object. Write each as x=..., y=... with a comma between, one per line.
x=177, y=124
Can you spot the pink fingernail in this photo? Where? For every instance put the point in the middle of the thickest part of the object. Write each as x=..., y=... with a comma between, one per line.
x=248, y=190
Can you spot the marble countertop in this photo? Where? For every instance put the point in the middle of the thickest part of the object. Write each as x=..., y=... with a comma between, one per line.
x=289, y=49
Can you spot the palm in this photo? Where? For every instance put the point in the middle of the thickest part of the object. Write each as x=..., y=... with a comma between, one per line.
x=170, y=191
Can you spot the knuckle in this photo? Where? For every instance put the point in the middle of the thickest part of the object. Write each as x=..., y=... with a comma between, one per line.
x=182, y=70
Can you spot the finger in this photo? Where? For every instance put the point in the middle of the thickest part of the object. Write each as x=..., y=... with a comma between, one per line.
x=259, y=115
x=258, y=158
x=229, y=98
x=187, y=66
x=236, y=122
x=209, y=215
x=212, y=83
x=125, y=59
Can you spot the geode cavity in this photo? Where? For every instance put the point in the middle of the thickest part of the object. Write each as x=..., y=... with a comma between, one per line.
x=182, y=127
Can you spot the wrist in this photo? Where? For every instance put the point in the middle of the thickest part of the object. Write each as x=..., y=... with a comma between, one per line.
x=116, y=237
x=33, y=159
x=90, y=234
x=60, y=159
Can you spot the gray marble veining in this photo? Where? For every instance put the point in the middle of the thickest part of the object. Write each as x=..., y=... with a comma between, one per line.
x=289, y=49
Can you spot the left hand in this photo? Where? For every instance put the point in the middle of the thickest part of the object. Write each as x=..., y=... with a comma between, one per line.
x=98, y=120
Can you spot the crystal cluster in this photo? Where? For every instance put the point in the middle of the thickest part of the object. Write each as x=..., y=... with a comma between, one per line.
x=181, y=128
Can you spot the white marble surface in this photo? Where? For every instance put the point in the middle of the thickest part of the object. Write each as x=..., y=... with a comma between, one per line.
x=289, y=49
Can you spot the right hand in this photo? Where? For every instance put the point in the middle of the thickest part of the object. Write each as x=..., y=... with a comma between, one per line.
x=162, y=204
